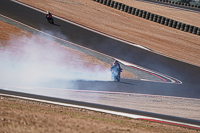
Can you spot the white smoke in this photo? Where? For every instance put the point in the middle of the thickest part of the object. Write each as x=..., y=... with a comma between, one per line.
x=34, y=60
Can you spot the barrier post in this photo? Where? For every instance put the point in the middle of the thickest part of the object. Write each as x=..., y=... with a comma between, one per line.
x=166, y=21
x=174, y=24
x=155, y=18
x=137, y=12
x=191, y=29
x=122, y=7
x=126, y=8
x=144, y=14
x=159, y=19
x=198, y=31
x=140, y=13
x=108, y=2
x=104, y=2
x=186, y=28
x=115, y=4
x=170, y=22
x=195, y=30
x=112, y=4
x=178, y=26
x=151, y=16
x=147, y=15
x=133, y=11
x=182, y=27
x=163, y=20
x=130, y=9
x=119, y=6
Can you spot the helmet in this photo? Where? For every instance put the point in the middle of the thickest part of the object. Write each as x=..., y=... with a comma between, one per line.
x=47, y=12
x=116, y=61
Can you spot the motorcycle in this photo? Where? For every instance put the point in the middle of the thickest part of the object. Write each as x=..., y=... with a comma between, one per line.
x=115, y=73
x=50, y=19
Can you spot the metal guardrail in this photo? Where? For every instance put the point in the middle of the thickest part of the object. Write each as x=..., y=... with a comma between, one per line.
x=151, y=16
x=179, y=3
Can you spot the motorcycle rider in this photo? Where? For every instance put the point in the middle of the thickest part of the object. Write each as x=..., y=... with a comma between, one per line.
x=48, y=15
x=116, y=67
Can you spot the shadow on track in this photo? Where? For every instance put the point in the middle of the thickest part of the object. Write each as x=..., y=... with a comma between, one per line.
x=126, y=83
x=56, y=24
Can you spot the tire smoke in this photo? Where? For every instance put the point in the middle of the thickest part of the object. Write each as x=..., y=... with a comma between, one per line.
x=35, y=60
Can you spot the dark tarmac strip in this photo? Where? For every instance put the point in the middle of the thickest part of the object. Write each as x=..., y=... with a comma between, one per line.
x=187, y=73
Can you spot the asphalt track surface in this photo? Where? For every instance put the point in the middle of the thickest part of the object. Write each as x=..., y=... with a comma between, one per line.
x=187, y=73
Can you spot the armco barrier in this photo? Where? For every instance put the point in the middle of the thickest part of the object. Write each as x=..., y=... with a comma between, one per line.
x=152, y=17
x=179, y=3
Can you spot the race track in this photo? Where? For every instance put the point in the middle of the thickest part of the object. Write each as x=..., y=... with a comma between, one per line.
x=164, y=76
x=188, y=74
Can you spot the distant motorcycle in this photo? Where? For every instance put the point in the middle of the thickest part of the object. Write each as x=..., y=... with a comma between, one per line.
x=50, y=19
x=115, y=73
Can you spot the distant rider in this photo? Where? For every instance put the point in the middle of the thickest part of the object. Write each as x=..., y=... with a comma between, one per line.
x=48, y=15
x=117, y=66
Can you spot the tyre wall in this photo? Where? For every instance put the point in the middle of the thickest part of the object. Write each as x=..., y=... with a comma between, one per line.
x=152, y=17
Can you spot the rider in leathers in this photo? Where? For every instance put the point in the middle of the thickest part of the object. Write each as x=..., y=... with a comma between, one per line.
x=116, y=66
x=48, y=15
